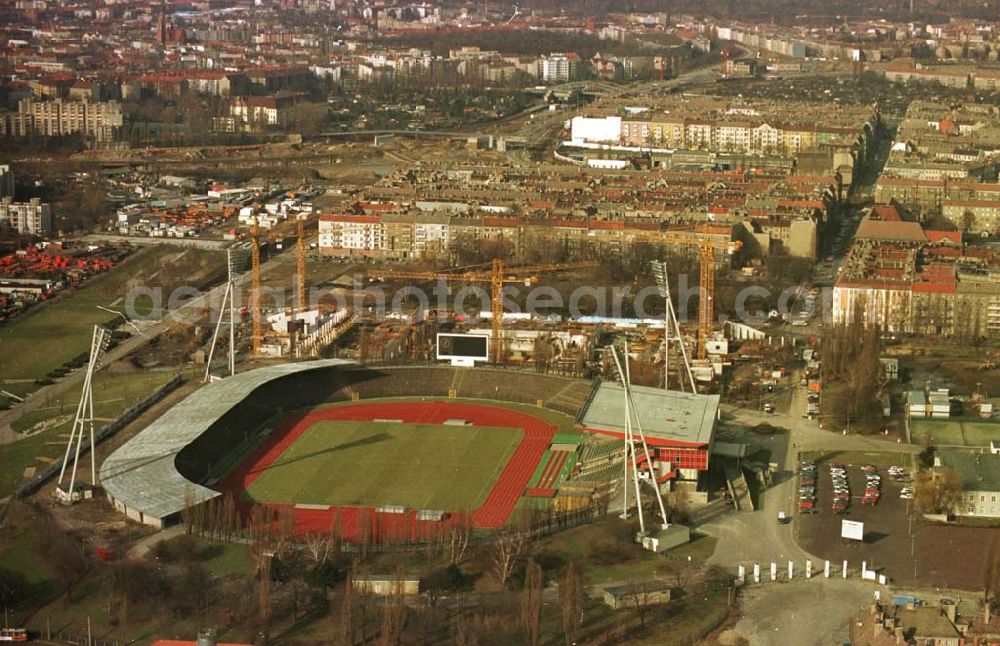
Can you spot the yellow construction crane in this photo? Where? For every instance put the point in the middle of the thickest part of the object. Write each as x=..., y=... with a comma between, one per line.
x=497, y=276
x=258, y=324
x=300, y=263
x=707, y=249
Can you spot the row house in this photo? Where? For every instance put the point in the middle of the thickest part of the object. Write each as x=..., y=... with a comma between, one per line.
x=727, y=136
x=435, y=236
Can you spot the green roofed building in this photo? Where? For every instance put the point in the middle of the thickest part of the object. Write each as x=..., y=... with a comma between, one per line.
x=980, y=473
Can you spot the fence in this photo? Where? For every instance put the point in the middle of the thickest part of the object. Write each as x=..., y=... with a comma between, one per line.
x=31, y=486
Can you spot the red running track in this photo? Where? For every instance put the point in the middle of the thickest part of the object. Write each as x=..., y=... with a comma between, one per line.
x=357, y=523
x=545, y=487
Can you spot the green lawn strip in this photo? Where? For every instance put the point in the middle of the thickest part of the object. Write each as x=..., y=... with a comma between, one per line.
x=537, y=475
x=683, y=620
x=938, y=432
x=64, y=328
x=111, y=392
x=222, y=559
x=647, y=564
x=980, y=433
x=688, y=617
x=942, y=432
x=90, y=602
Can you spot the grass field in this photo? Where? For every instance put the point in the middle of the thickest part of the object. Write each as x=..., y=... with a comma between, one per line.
x=563, y=422
x=954, y=432
x=980, y=433
x=49, y=336
x=49, y=425
x=939, y=432
x=420, y=466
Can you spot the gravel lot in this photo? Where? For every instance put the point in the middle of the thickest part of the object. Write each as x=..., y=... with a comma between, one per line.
x=803, y=612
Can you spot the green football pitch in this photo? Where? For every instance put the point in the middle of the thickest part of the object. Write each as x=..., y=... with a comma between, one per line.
x=420, y=466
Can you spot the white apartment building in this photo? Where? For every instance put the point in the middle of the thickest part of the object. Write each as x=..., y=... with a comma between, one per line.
x=558, y=68
x=356, y=235
x=26, y=217
x=96, y=121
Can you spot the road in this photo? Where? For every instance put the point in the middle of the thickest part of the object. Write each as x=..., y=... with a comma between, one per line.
x=816, y=611
x=757, y=537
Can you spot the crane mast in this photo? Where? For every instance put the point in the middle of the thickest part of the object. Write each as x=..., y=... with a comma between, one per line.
x=496, y=277
x=300, y=265
x=258, y=326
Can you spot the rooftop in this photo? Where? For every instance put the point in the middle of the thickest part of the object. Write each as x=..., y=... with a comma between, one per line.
x=667, y=416
x=141, y=473
x=891, y=230
x=979, y=471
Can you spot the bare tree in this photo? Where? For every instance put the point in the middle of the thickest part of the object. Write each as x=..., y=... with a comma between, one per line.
x=393, y=612
x=938, y=491
x=991, y=580
x=318, y=547
x=531, y=602
x=571, y=596
x=681, y=571
x=642, y=598
x=458, y=536
x=506, y=551
x=349, y=612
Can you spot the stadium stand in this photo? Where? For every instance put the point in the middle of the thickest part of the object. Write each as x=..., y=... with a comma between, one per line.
x=166, y=467
x=404, y=382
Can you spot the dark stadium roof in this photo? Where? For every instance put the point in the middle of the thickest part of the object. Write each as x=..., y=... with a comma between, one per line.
x=142, y=474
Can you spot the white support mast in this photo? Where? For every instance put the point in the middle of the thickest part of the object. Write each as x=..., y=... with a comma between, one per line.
x=84, y=420
x=630, y=440
x=233, y=262
x=631, y=456
x=671, y=328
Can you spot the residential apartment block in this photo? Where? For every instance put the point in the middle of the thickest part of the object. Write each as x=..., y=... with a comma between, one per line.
x=435, y=236
x=97, y=122
x=908, y=280
x=32, y=217
x=559, y=68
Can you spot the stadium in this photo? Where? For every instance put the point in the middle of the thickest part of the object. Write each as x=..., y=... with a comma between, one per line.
x=395, y=451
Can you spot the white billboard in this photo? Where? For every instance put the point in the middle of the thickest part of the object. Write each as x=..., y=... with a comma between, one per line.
x=604, y=130
x=852, y=529
x=463, y=349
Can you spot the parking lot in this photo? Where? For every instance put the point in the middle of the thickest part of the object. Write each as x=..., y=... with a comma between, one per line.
x=887, y=544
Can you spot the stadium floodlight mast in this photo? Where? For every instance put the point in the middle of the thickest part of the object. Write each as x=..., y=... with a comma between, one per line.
x=671, y=329
x=631, y=442
x=84, y=420
x=234, y=262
